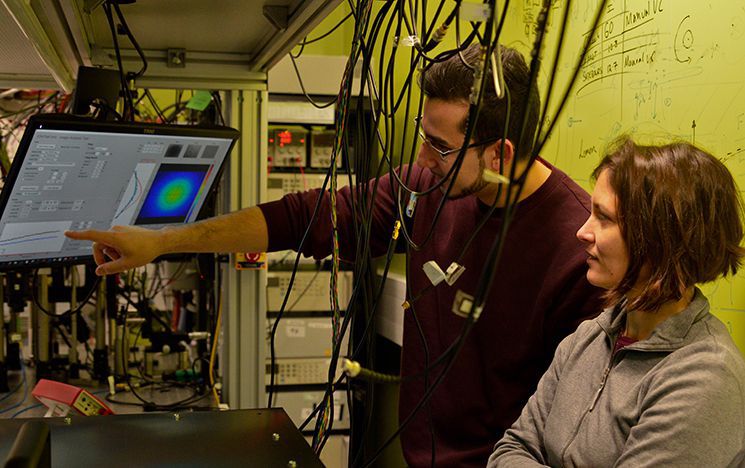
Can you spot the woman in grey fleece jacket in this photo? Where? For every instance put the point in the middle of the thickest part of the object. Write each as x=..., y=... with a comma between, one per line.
x=655, y=380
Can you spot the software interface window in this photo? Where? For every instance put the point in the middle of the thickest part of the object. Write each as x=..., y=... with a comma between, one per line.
x=94, y=180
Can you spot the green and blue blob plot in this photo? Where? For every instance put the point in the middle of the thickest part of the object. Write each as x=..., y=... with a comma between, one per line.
x=171, y=195
x=175, y=196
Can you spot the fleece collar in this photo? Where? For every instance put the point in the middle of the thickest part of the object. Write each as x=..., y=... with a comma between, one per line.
x=670, y=334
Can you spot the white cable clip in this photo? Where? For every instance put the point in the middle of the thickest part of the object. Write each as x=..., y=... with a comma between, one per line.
x=477, y=12
x=462, y=305
x=433, y=272
x=411, y=41
x=497, y=72
x=495, y=177
x=453, y=273
x=436, y=275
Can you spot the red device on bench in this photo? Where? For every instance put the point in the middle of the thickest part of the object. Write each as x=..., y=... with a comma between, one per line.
x=60, y=398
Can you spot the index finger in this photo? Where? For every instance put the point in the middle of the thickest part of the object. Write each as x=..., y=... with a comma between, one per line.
x=89, y=235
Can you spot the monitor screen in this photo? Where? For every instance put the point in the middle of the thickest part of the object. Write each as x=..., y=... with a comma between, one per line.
x=72, y=173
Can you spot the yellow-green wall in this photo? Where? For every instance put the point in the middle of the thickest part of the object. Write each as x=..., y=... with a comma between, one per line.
x=657, y=69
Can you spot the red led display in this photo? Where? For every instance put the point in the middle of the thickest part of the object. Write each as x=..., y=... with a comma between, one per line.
x=285, y=138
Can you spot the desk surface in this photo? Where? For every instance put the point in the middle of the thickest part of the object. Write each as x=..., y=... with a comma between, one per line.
x=264, y=437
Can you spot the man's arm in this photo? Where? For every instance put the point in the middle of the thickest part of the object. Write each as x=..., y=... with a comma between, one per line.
x=126, y=247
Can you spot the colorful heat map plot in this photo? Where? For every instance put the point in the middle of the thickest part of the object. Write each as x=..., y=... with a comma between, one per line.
x=174, y=193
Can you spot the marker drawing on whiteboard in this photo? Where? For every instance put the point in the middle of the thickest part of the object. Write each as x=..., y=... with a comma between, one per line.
x=683, y=42
x=693, y=127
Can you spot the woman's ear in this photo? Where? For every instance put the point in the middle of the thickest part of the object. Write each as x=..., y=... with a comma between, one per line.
x=492, y=155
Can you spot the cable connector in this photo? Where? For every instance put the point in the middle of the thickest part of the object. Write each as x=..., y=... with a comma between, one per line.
x=478, y=75
x=436, y=275
x=437, y=37
x=411, y=206
x=199, y=335
x=353, y=369
x=396, y=228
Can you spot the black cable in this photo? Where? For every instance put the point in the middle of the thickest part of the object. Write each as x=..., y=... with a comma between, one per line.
x=473, y=113
x=143, y=310
x=390, y=99
x=155, y=105
x=573, y=80
x=340, y=111
x=329, y=32
x=151, y=405
x=174, y=277
x=218, y=106
x=33, y=108
x=320, y=438
x=127, y=112
x=69, y=312
x=101, y=105
x=300, y=52
x=307, y=287
x=131, y=37
x=343, y=326
x=305, y=93
x=272, y=359
x=500, y=25
x=495, y=252
x=350, y=314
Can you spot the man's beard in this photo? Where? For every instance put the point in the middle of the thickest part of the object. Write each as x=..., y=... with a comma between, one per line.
x=475, y=187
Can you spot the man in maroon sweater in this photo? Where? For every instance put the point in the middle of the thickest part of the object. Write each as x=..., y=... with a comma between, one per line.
x=539, y=294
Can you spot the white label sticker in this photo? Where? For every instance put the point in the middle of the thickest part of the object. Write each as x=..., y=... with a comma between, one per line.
x=295, y=331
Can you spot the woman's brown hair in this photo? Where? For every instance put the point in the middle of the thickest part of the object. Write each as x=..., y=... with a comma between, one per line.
x=680, y=214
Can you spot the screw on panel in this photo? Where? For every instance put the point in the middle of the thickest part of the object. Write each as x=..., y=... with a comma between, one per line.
x=68, y=420
x=292, y=464
x=177, y=416
x=176, y=58
x=275, y=437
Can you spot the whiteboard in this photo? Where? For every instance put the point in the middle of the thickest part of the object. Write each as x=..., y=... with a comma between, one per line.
x=657, y=69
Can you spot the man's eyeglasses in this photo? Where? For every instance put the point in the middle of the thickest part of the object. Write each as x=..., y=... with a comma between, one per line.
x=442, y=150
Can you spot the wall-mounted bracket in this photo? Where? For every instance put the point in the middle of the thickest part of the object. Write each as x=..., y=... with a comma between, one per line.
x=277, y=15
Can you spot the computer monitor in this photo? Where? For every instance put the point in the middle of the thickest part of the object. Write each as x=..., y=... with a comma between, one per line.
x=71, y=173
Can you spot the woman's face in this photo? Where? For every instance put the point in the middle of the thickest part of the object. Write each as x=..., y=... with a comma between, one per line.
x=608, y=255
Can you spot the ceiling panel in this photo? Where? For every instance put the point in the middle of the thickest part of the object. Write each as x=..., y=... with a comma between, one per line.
x=228, y=44
x=20, y=64
x=226, y=26
x=17, y=53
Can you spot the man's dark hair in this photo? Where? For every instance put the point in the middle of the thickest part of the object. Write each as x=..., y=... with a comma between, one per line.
x=452, y=80
x=680, y=214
